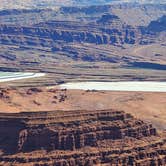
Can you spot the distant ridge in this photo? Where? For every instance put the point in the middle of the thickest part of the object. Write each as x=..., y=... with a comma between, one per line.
x=28, y=4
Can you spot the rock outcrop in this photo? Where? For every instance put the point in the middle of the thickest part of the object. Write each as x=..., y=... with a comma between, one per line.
x=79, y=138
x=158, y=25
x=108, y=29
x=32, y=37
x=46, y=35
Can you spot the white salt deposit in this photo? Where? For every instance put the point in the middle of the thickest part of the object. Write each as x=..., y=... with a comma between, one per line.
x=147, y=86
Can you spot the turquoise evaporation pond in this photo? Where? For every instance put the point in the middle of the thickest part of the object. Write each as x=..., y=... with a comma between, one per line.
x=5, y=75
x=9, y=74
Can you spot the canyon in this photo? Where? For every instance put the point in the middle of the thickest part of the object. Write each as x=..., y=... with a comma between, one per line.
x=65, y=42
x=42, y=124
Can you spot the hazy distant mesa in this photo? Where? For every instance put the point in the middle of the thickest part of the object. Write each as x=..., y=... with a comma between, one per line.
x=27, y=4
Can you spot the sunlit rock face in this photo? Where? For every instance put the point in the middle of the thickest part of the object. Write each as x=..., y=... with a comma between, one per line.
x=80, y=137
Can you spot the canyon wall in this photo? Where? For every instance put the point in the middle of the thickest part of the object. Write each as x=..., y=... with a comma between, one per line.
x=80, y=138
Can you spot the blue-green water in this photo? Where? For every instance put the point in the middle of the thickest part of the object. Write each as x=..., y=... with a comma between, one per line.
x=10, y=76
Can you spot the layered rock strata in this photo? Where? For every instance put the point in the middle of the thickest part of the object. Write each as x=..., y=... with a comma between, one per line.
x=79, y=138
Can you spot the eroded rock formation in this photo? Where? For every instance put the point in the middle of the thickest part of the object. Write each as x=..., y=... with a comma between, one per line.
x=79, y=138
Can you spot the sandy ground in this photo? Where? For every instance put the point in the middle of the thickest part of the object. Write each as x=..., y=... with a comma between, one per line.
x=147, y=106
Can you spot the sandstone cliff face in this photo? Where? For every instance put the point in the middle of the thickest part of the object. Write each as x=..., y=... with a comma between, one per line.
x=79, y=138
x=66, y=32
x=29, y=38
x=158, y=25
x=109, y=30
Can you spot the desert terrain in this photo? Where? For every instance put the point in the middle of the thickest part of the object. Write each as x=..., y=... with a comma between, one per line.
x=44, y=125
x=148, y=106
x=52, y=126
